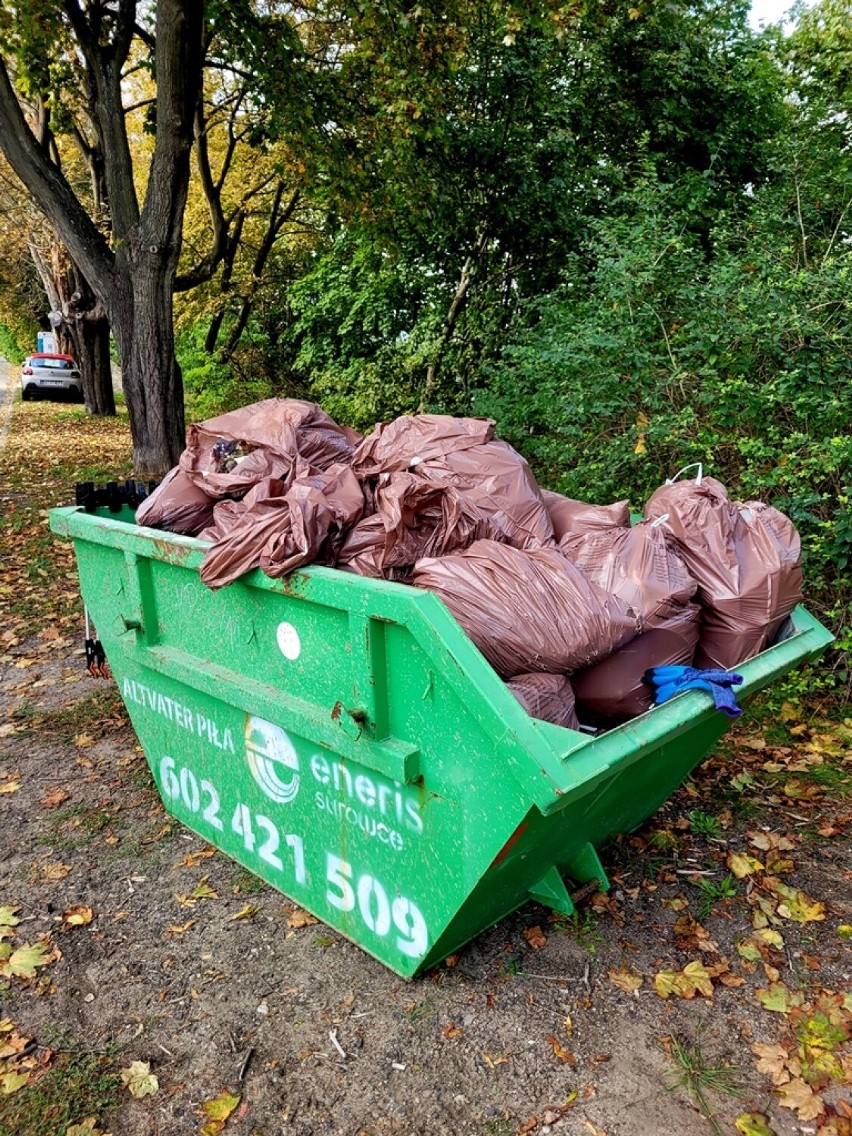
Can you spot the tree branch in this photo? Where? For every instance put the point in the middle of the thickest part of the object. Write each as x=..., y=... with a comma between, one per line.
x=51, y=191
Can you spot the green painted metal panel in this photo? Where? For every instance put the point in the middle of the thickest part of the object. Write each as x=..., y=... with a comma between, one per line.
x=345, y=740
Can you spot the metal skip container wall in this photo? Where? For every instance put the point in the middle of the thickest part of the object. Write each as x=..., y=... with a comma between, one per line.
x=342, y=738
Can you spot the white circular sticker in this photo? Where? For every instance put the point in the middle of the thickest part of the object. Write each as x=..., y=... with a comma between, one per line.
x=289, y=643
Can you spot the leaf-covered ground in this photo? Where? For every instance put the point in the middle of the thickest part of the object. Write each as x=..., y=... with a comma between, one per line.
x=149, y=985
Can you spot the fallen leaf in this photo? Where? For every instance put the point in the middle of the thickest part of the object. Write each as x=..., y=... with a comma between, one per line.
x=193, y=859
x=771, y=840
x=742, y=865
x=218, y=1110
x=9, y=786
x=22, y=962
x=179, y=928
x=247, y=912
x=452, y=1030
x=301, y=918
x=56, y=871
x=11, y=1082
x=779, y=998
x=535, y=937
x=55, y=797
x=559, y=1052
x=772, y=1060
x=83, y=741
x=78, y=916
x=87, y=1127
x=795, y=904
x=800, y=1097
x=753, y=1124
x=139, y=1079
x=8, y=916
x=625, y=979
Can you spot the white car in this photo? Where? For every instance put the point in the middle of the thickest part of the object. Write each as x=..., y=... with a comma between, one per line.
x=47, y=374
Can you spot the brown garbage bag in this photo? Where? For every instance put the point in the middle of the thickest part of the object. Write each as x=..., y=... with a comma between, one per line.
x=228, y=454
x=640, y=565
x=226, y=513
x=463, y=452
x=394, y=446
x=527, y=610
x=569, y=516
x=612, y=691
x=499, y=483
x=546, y=696
x=177, y=504
x=413, y=519
x=284, y=527
x=746, y=560
x=363, y=548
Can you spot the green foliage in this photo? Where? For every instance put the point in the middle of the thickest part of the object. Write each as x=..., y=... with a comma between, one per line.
x=652, y=355
x=10, y=348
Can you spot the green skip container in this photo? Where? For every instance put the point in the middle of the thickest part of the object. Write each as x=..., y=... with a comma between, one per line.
x=343, y=739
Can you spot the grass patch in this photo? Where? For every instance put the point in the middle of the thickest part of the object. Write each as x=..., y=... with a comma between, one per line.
x=700, y=1079
x=77, y=1086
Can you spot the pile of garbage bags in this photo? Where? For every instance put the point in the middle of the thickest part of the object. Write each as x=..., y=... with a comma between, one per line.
x=569, y=602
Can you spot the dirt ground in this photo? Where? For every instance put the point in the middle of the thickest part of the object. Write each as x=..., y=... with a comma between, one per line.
x=698, y=996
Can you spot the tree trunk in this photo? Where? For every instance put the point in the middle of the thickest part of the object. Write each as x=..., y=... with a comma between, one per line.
x=151, y=376
x=91, y=340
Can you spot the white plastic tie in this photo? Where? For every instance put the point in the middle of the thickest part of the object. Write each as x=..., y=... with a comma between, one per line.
x=694, y=465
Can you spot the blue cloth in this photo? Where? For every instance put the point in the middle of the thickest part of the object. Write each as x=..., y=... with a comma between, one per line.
x=669, y=681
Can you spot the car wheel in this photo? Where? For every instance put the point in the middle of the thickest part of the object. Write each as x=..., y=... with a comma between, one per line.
x=26, y=394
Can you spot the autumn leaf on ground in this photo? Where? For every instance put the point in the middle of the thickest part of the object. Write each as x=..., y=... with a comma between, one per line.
x=795, y=905
x=625, y=979
x=693, y=979
x=11, y=786
x=56, y=871
x=87, y=1127
x=55, y=797
x=139, y=1079
x=8, y=920
x=193, y=859
x=759, y=943
x=753, y=1124
x=301, y=918
x=559, y=1052
x=217, y=1111
x=83, y=741
x=180, y=928
x=535, y=937
x=22, y=963
x=779, y=998
x=78, y=916
x=452, y=1030
x=11, y=1082
x=765, y=841
x=742, y=865
x=772, y=1061
x=800, y=1097
x=247, y=912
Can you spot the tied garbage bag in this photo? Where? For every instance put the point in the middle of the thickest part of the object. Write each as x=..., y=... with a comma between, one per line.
x=284, y=527
x=570, y=517
x=746, y=560
x=613, y=690
x=641, y=565
x=413, y=519
x=527, y=610
x=546, y=696
x=413, y=438
x=227, y=455
x=494, y=480
x=178, y=505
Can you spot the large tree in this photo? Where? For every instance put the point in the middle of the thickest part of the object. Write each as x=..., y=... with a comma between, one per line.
x=129, y=259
